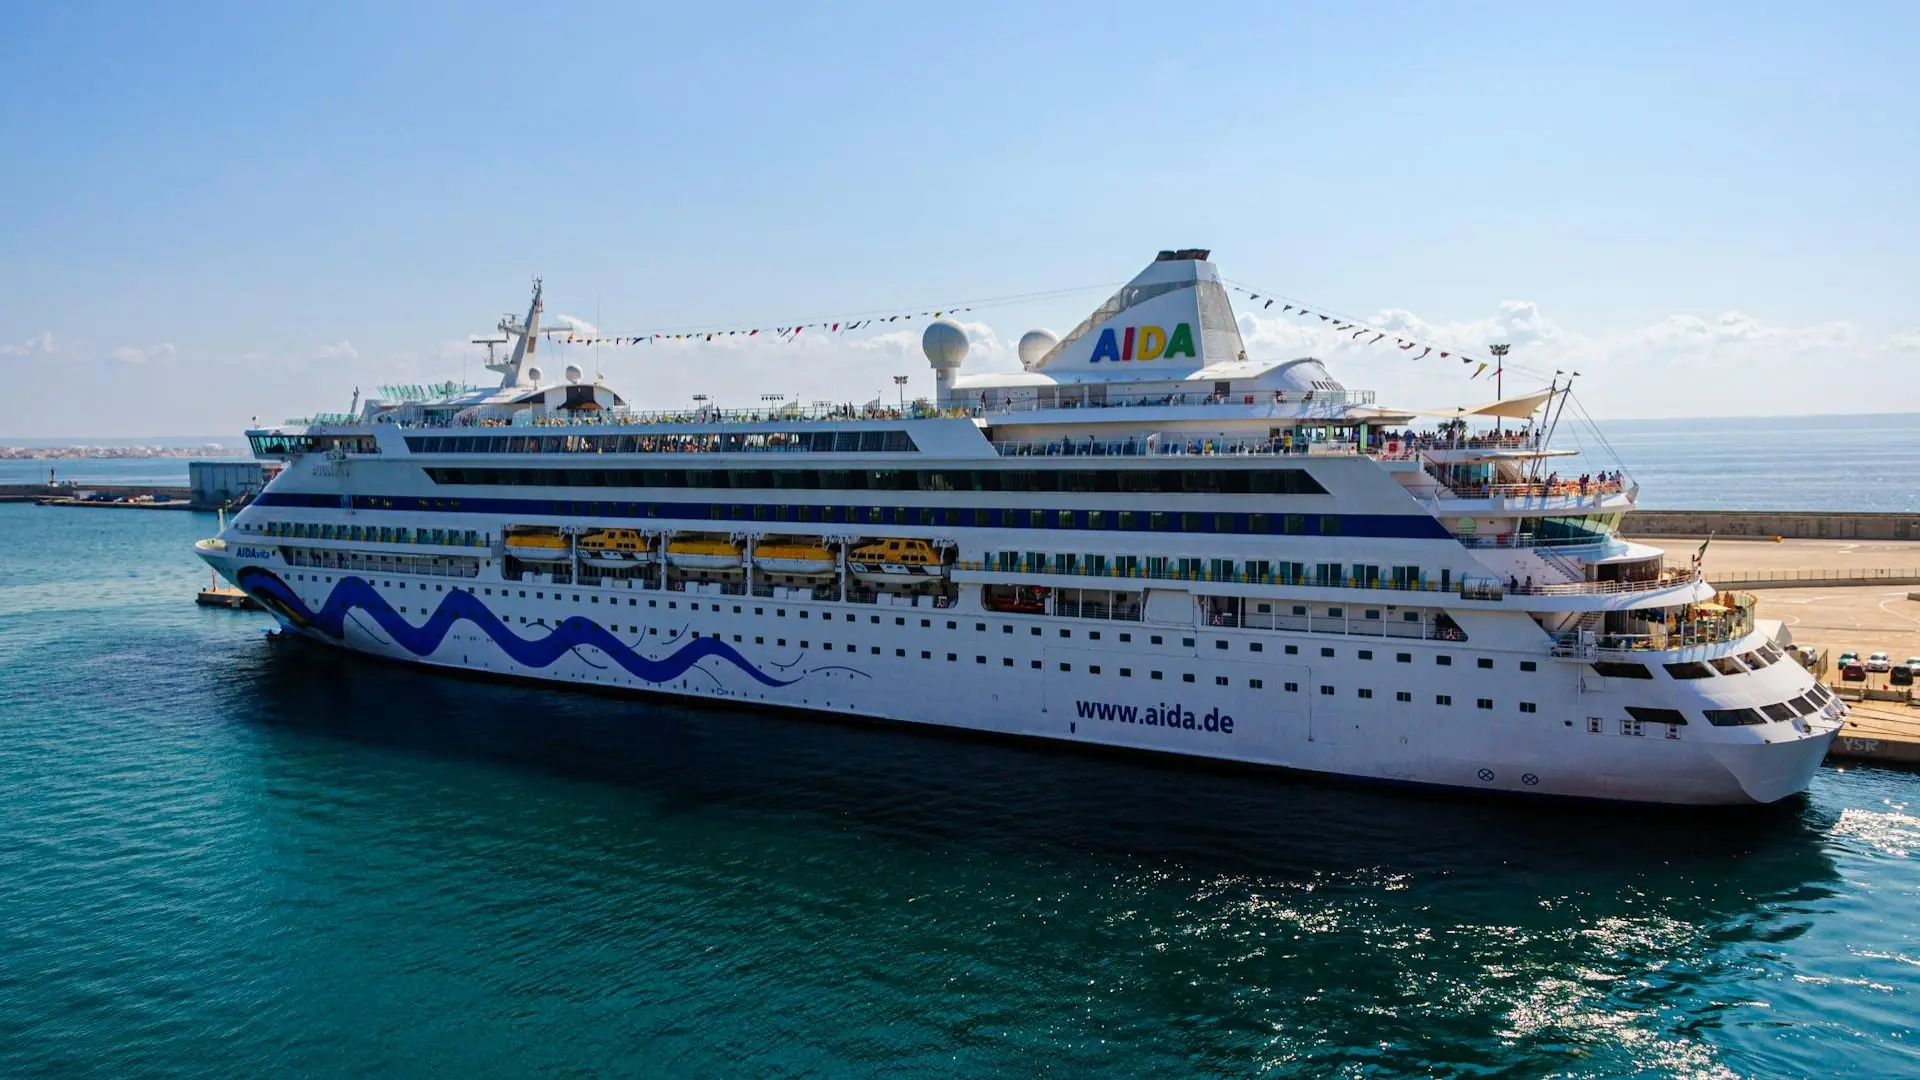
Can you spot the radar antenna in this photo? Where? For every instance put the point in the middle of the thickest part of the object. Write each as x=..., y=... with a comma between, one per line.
x=493, y=360
x=525, y=335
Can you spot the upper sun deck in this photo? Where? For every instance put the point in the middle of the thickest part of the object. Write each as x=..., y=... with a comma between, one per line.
x=1159, y=370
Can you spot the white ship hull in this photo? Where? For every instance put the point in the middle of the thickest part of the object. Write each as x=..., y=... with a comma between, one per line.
x=1021, y=684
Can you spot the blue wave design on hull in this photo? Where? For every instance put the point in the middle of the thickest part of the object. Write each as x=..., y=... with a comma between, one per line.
x=569, y=634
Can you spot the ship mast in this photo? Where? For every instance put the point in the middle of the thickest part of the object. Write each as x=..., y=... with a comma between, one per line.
x=514, y=370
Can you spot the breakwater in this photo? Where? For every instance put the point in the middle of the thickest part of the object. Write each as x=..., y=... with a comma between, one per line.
x=31, y=492
x=1759, y=524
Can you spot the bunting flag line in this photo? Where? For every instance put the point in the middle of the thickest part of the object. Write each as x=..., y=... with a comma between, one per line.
x=1360, y=329
x=1355, y=329
x=567, y=336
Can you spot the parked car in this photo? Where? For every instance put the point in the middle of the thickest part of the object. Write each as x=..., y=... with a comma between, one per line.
x=1846, y=658
x=1853, y=671
x=1901, y=675
x=1913, y=662
x=1879, y=662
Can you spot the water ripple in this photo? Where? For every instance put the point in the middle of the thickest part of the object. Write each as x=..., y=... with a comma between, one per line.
x=224, y=856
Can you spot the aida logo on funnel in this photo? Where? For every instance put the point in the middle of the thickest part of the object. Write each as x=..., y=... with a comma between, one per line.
x=1142, y=343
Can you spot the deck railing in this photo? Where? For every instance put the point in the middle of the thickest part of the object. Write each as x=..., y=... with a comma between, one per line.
x=1466, y=588
x=1461, y=489
x=1157, y=446
x=1426, y=628
x=1329, y=402
x=1071, y=396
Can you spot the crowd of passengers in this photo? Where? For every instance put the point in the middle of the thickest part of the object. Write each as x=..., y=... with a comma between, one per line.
x=918, y=410
x=597, y=416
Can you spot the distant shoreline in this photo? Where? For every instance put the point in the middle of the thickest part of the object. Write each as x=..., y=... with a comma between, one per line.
x=116, y=453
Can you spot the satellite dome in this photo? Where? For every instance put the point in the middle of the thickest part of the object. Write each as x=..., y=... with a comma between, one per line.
x=1035, y=344
x=533, y=373
x=945, y=344
x=574, y=373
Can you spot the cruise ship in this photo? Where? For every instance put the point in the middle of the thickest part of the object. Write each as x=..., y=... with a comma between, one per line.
x=1143, y=539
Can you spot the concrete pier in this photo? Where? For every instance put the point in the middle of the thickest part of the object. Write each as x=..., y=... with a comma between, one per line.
x=1835, y=596
x=37, y=492
x=1879, y=732
x=1787, y=524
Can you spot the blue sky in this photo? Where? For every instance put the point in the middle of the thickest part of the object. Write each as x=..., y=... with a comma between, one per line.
x=214, y=212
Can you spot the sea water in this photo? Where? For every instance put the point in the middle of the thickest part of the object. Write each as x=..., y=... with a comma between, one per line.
x=227, y=856
x=1844, y=463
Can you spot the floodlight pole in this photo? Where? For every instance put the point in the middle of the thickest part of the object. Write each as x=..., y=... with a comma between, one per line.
x=1499, y=384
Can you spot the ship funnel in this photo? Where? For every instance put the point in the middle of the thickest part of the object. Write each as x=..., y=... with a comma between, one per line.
x=1174, y=315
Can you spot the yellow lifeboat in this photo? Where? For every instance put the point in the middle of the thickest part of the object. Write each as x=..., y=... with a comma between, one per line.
x=695, y=554
x=896, y=562
x=539, y=547
x=798, y=558
x=615, y=548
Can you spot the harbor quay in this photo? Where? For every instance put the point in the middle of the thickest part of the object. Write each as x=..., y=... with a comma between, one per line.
x=1831, y=597
x=210, y=485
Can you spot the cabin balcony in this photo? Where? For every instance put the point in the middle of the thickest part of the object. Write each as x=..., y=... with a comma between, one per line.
x=1169, y=445
x=1537, y=489
x=1702, y=628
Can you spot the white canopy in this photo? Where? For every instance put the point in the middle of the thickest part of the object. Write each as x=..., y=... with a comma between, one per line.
x=1513, y=408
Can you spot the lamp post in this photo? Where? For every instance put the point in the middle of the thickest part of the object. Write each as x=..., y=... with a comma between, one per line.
x=1500, y=368
x=901, y=382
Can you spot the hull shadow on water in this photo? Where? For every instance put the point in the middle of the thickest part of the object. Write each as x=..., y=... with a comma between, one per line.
x=935, y=789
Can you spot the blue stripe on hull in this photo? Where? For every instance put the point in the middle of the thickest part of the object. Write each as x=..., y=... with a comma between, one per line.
x=352, y=592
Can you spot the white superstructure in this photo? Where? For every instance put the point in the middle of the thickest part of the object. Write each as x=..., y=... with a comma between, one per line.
x=1143, y=539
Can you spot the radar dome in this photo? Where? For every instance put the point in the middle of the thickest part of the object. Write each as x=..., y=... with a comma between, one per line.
x=574, y=373
x=534, y=373
x=945, y=344
x=1035, y=344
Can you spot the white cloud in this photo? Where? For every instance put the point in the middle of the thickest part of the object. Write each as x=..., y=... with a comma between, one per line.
x=572, y=322
x=130, y=354
x=1683, y=365
x=343, y=351
x=41, y=343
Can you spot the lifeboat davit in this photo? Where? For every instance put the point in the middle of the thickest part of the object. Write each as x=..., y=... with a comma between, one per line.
x=703, y=555
x=808, y=560
x=539, y=548
x=896, y=562
x=615, y=548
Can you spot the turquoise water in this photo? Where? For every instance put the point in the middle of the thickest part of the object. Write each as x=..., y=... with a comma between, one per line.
x=224, y=856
